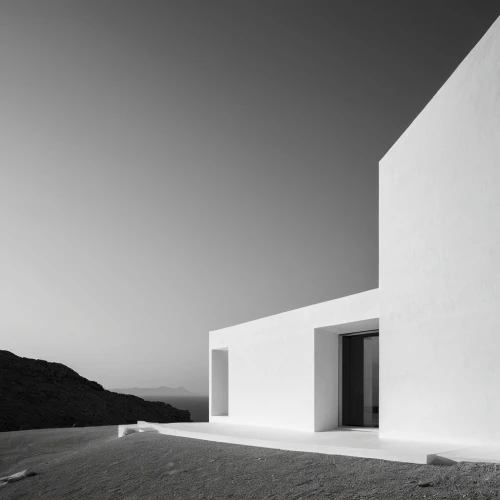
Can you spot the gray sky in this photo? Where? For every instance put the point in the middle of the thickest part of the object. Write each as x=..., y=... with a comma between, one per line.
x=173, y=167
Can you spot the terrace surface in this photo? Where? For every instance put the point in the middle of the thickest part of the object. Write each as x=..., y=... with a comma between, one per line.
x=347, y=442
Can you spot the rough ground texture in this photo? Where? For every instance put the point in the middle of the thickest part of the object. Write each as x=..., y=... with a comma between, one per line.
x=36, y=394
x=88, y=463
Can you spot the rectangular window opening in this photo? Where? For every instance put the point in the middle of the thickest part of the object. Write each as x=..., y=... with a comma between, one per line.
x=220, y=382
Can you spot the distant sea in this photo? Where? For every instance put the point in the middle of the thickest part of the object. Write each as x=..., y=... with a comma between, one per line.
x=197, y=405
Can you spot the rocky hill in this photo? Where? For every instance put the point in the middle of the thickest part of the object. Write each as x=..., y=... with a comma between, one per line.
x=37, y=394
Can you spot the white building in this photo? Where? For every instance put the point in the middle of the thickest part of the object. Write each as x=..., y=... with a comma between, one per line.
x=435, y=320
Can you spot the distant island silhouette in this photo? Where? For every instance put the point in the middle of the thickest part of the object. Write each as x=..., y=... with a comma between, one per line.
x=156, y=391
x=37, y=394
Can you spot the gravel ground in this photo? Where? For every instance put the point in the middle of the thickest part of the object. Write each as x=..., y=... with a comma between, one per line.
x=83, y=463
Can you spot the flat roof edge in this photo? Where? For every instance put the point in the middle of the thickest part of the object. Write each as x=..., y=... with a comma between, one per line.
x=297, y=309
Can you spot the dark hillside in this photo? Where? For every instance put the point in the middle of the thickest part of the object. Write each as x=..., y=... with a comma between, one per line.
x=37, y=394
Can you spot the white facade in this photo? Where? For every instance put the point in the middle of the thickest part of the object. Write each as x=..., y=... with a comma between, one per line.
x=282, y=370
x=438, y=305
x=440, y=262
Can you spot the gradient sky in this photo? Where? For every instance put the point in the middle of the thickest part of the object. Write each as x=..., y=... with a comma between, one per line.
x=173, y=167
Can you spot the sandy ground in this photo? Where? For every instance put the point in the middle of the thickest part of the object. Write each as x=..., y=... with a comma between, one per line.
x=83, y=463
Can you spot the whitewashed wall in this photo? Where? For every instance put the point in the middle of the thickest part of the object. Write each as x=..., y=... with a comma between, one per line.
x=281, y=372
x=440, y=262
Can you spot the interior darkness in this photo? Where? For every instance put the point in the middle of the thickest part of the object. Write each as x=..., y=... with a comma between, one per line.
x=360, y=380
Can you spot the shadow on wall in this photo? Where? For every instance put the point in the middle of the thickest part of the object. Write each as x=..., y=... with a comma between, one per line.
x=220, y=382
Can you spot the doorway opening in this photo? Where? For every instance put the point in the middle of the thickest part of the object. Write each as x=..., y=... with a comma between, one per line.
x=359, y=376
x=220, y=382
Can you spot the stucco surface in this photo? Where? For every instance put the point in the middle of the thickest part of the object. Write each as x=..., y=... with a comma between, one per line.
x=440, y=262
x=272, y=369
x=439, y=295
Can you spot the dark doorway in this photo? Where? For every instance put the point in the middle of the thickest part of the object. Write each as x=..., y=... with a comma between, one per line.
x=360, y=372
